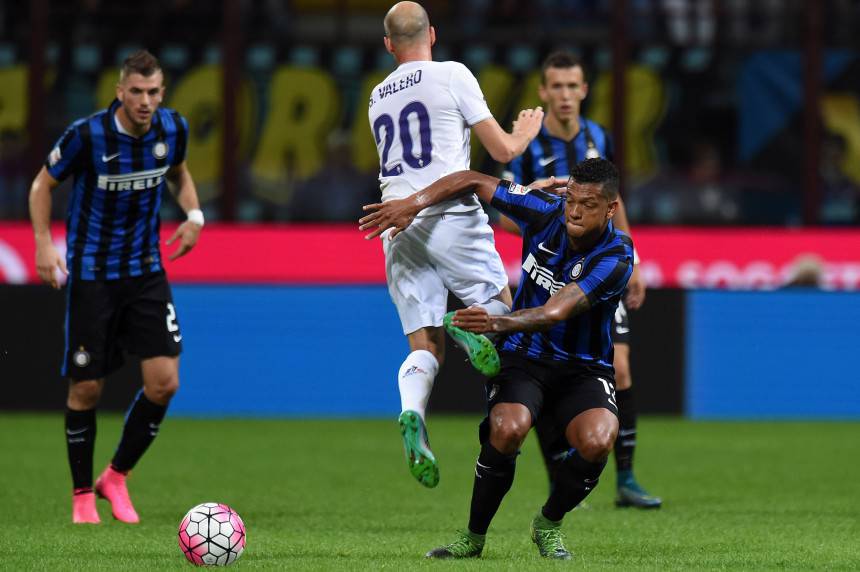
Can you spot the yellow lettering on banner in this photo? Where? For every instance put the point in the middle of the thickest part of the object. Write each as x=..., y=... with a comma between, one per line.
x=645, y=105
x=841, y=115
x=496, y=84
x=13, y=98
x=529, y=98
x=106, y=87
x=365, y=156
x=197, y=97
x=304, y=105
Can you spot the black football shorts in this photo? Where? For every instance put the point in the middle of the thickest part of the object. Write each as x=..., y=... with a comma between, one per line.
x=556, y=390
x=105, y=317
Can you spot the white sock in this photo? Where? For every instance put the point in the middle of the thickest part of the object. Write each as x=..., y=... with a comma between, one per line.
x=495, y=307
x=415, y=380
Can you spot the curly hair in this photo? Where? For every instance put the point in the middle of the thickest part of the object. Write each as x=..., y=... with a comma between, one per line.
x=598, y=171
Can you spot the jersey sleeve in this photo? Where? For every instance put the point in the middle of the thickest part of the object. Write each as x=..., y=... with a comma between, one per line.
x=181, y=140
x=522, y=204
x=514, y=170
x=609, y=155
x=65, y=158
x=468, y=95
x=606, y=275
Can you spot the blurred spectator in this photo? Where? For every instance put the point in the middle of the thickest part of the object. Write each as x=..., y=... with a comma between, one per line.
x=337, y=192
x=690, y=22
x=701, y=194
x=841, y=195
x=807, y=271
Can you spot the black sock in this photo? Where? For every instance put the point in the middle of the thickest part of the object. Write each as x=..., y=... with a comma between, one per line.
x=494, y=474
x=141, y=427
x=625, y=444
x=576, y=479
x=553, y=446
x=80, y=443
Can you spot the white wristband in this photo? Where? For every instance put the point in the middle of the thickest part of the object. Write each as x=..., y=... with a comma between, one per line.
x=195, y=216
x=635, y=257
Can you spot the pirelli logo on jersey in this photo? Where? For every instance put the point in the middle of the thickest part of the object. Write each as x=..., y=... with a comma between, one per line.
x=137, y=181
x=541, y=276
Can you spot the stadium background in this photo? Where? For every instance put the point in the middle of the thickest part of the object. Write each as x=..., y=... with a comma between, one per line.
x=738, y=131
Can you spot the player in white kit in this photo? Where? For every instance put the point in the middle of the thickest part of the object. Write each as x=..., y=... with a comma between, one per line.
x=421, y=116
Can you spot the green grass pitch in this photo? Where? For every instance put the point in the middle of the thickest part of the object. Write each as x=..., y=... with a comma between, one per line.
x=336, y=495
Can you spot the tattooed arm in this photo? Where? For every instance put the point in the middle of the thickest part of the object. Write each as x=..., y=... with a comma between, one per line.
x=563, y=305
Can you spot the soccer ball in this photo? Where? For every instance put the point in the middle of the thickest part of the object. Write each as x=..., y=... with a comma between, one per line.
x=212, y=534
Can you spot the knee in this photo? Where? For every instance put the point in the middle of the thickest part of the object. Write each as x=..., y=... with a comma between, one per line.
x=597, y=443
x=163, y=389
x=507, y=433
x=84, y=395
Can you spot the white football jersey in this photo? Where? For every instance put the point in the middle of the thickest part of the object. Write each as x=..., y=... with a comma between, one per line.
x=420, y=116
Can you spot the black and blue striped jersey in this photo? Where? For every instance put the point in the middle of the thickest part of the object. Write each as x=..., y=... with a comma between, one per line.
x=112, y=222
x=550, y=263
x=548, y=156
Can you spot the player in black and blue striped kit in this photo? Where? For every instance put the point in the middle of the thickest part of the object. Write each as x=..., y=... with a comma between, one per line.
x=118, y=297
x=557, y=354
x=565, y=139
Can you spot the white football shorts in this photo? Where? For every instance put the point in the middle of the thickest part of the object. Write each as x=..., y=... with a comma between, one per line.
x=436, y=254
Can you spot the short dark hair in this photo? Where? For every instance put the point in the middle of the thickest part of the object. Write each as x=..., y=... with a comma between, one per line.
x=560, y=59
x=598, y=171
x=141, y=62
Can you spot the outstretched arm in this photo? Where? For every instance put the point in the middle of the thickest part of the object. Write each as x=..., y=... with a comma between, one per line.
x=399, y=213
x=563, y=305
x=504, y=147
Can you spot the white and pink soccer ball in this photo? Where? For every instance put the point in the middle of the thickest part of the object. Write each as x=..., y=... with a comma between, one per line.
x=212, y=534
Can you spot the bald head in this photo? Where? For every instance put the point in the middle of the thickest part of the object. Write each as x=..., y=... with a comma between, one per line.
x=406, y=23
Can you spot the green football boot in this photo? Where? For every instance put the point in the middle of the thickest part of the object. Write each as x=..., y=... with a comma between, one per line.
x=422, y=463
x=548, y=537
x=631, y=493
x=482, y=352
x=467, y=545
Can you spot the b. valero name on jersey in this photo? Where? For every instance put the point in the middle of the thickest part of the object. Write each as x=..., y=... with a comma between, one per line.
x=137, y=181
x=541, y=276
x=404, y=82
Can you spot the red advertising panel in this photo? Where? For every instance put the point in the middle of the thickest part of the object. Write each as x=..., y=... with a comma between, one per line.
x=748, y=258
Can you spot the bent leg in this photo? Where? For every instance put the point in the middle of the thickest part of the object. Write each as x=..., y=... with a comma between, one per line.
x=592, y=433
x=494, y=470
x=160, y=383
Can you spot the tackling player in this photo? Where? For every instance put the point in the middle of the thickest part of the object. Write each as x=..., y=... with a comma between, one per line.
x=565, y=139
x=118, y=297
x=557, y=352
x=420, y=116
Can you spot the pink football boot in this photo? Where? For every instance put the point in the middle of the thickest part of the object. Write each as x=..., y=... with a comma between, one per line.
x=84, y=507
x=111, y=486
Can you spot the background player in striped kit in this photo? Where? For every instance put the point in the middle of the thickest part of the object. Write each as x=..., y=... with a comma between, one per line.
x=421, y=116
x=566, y=139
x=118, y=297
x=557, y=350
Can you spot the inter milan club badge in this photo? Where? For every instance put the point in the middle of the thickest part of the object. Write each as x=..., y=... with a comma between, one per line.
x=81, y=357
x=576, y=270
x=159, y=150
